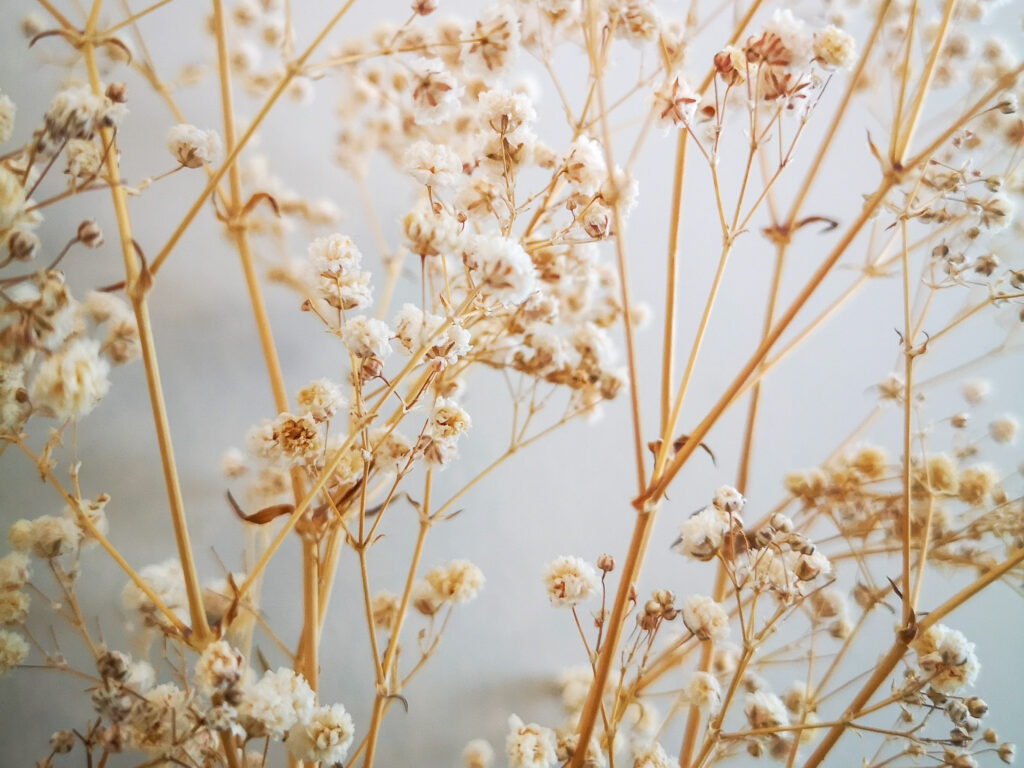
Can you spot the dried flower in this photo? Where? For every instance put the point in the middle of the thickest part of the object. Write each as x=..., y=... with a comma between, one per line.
x=276, y=703
x=530, y=746
x=477, y=754
x=71, y=382
x=13, y=650
x=193, y=147
x=834, y=48
x=570, y=580
x=325, y=737
x=219, y=667
x=457, y=582
x=707, y=619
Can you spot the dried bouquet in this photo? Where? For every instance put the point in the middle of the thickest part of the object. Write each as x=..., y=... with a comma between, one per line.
x=847, y=147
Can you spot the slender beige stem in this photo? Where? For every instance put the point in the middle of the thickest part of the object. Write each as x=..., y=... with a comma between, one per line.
x=136, y=292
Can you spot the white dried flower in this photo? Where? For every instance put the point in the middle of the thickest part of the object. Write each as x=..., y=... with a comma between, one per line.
x=338, y=277
x=14, y=606
x=530, y=746
x=703, y=691
x=276, y=703
x=1003, y=429
x=15, y=571
x=652, y=756
x=502, y=267
x=792, y=33
x=167, y=581
x=701, y=535
x=764, y=709
x=675, y=104
x=584, y=166
x=13, y=650
x=570, y=580
x=8, y=110
x=193, y=147
x=219, y=667
x=45, y=537
x=71, y=382
x=448, y=420
x=83, y=158
x=729, y=500
x=495, y=42
x=434, y=165
x=12, y=197
x=707, y=619
x=367, y=337
x=325, y=738
x=834, y=48
x=477, y=753
x=457, y=582
x=947, y=658
x=505, y=111
x=975, y=391
x=436, y=93
x=320, y=400
x=232, y=463
x=95, y=511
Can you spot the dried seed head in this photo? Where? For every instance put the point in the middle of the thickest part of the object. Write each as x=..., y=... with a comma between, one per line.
x=89, y=234
x=606, y=563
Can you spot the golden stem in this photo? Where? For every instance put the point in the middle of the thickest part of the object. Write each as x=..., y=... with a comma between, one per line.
x=137, y=295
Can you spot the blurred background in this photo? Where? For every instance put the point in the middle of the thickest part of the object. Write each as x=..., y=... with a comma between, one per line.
x=566, y=495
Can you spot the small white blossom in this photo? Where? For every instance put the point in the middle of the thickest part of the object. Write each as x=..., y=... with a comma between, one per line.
x=13, y=650
x=707, y=619
x=764, y=709
x=477, y=754
x=703, y=691
x=1003, y=429
x=457, y=582
x=71, y=382
x=530, y=746
x=434, y=165
x=367, y=337
x=219, y=667
x=193, y=147
x=835, y=48
x=320, y=400
x=325, y=738
x=570, y=580
x=947, y=658
x=276, y=702
x=502, y=267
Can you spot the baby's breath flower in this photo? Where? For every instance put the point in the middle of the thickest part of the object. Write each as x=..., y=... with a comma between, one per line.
x=834, y=48
x=384, y=608
x=502, y=266
x=505, y=111
x=95, y=511
x=977, y=483
x=15, y=571
x=367, y=337
x=167, y=581
x=702, y=534
x=14, y=606
x=12, y=197
x=232, y=463
x=434, y=165
x=45, y=537
x=13, y=650
x=652, y=756
x=320, y=400
x=325, y=738
x=436, y=92
x=675, y=104
x=83, y=158
x=584, y=165
x=530, y=746
x=495, y=42
x=7, y=112
x=975, y=391
x=477, y=753
x=1003, y=429
x=706, y=618
x=219, y=667
x=792, y=34
x=448, y=420
x=193, y=147
x=71, y=382
x=570, y=580
x=947, y=658
x=336, y=263
x=764, y=709
x=457, y=582
x=276, y=703
x=703, y=691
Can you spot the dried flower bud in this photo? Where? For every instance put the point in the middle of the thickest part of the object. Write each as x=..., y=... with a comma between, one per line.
x=976, y=706
x=424, y=7
x=22, y=245
x=62, y=742
x=606, y=563
x=89, y=234
x=117, y=92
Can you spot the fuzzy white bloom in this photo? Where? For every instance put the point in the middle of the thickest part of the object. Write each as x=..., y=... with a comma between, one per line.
x=701, y=535
x=76, y=113
x=12, y=197
x=505, y=111
x=13, y=607
x=71, y=382
x=729, y=500
x=495, y=42
x=530, y=746
x=320, y=399
x=193, y=147
x=414, y=327
x=13, y=650
x=1004, y=429
x=764, y=709
x=95, y=511
x=429, y=233
x=367, y=337
x=434, y=165
x=478, y=753
x=448, y=420
x=570, y=580
x=946, y=658
x=219, y=667
x=584, y=165
x=502, y=267
x=44, y=537
x=15, y=571
x=157, y=721
x=652, y=756
x=276, y=702
x=436, y=92
x=703, y=691
x=792, y=33
x=336, y=263
x=674, y=104
x=83, y=158
x=707, y=619
x=457, y=582
x=8, y=110
x=593, y=343
x=232, y=463
x=835, y=48
x=167, y=581
x=325, y=738
x=975, y=391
